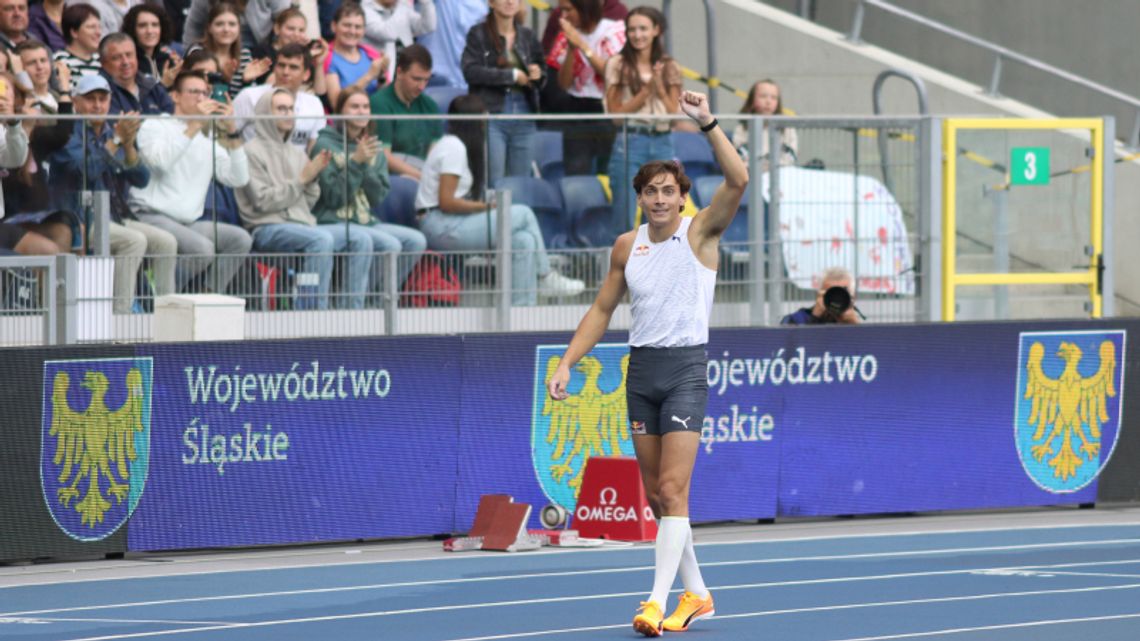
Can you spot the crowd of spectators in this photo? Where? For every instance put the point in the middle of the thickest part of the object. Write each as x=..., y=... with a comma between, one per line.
x=192, y=175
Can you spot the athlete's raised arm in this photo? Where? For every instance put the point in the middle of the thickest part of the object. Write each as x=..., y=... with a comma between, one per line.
x=711, y=222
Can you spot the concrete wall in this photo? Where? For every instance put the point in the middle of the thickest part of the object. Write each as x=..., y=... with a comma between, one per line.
x=1091, y=39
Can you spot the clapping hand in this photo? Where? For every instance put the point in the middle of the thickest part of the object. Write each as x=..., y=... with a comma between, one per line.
x=366, y=149
x=256, y=69
x=312, y=169
x=128, y=128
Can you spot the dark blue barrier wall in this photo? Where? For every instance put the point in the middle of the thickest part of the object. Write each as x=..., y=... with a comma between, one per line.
x=357, y=440
x=260, y=443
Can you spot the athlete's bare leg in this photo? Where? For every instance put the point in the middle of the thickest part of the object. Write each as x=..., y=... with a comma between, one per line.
x=666, y=464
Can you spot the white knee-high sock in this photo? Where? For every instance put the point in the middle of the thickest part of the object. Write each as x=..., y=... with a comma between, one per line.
x=671, y=537
x=690, y=572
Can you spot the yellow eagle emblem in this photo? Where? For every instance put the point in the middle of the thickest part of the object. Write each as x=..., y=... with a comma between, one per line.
x=96, y=444
x=589, y=423
x=1066, y=404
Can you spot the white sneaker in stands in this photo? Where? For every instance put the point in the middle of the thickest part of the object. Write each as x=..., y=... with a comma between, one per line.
x=555, y=284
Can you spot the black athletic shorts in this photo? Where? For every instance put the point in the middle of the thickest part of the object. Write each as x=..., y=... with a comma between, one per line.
x=10, y=235
x=667, y=389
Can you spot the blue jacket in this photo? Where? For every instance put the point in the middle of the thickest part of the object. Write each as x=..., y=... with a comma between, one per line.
x=104, y=172
x=152, y=99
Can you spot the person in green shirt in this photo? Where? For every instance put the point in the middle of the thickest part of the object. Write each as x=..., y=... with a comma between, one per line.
x=407, y=141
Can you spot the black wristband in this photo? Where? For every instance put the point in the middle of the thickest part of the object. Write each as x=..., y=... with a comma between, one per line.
x=712, y=125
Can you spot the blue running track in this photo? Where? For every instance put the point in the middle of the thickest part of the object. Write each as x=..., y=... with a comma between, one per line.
x=1037, y=584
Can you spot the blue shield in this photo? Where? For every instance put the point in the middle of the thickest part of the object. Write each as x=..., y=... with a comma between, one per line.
x=592, y=422
x=95, y=442
x=1070, y=389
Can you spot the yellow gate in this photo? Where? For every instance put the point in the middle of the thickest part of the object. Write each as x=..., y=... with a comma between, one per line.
x=1014, y=198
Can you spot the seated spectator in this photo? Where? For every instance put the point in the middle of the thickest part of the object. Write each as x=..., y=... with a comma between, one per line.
x=111, y=12
x=283, y=186
x=409, y=140
x=291, y=72
x=641, y=80
x=356, y=182
x=579, y=56
x=130, y=90
x=182, y=156
x=45, y=23
x=352, y=64
x=82, y=34
x=13, y=23
x=291, y=28
x=256, y=21
x=149, y=26
x=454, y=20
x=456, y=215
x=101, y=156
x=503, y=65
x=36, y=77
x=830, y=307
x=764, y=100
x=27, y=199
x=223, y=39
x=390, y=25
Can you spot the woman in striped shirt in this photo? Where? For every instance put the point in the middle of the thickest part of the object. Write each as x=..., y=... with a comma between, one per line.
x=82, y=32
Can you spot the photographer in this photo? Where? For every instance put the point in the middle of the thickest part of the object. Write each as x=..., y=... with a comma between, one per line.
x=834, y=302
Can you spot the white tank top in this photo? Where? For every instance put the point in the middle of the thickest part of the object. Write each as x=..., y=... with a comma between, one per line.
x=671, y=291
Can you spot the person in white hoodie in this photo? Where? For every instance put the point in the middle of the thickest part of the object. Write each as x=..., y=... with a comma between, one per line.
x=276, y=204
x=393, y=24
x=183, y=153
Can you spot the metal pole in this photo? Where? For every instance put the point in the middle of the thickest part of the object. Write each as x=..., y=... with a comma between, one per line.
x=1108, y=279
x=99, y=232
x=757, y=246
x=929, y=276
x=857, y=24
x=66, y=279
x=995, y=79
x=391, y=289
x=1001, y=249
x=776, y=255
x=503, y=236
x=855, y=213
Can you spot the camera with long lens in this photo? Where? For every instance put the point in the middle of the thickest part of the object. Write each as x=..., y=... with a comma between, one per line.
x=837, y=300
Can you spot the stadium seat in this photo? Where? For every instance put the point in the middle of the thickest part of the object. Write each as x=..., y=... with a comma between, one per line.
x=546, y=202
x=399, y=205
x=444, y=95
x=692, y=149
x=548, y=155
x=703, y=189
x=588, y=210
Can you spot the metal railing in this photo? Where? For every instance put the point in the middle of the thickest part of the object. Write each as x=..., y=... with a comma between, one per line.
x=860, y=192
x=1000, y=53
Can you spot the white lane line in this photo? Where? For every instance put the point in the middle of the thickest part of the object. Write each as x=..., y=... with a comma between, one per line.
x=549, y=575
x=1104, y=574
x=168, y=621
x=745, y=615
x=1003, y=626
x=502, y=604
x=175, y=563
